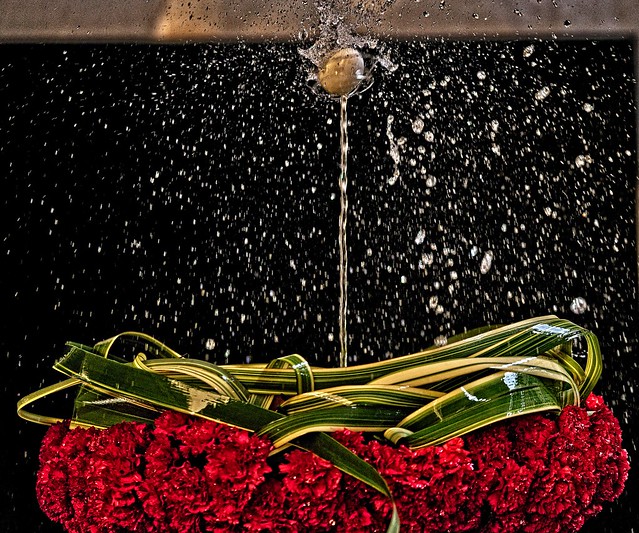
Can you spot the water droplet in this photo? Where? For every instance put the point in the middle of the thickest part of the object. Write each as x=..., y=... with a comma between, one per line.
x=441, y=340
x=343, y=72
x=418, y=125
x=481, y=75
x=486, y=262
x=393, y=150
x=429, y=136
x=529, y=50
x=432, y=302
x=421, y=235
x=403, y=279
x=579, y=306
x=209, y=344
x=431, y=181
x=582, y=161
x=542, y=93
x=588, y=107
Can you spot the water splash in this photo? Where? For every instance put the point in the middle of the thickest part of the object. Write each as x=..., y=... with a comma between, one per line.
x=335, y=32
x=579, y=306
x=542, y=93
x=338, y=20
x=486, y=262
x=393, y=150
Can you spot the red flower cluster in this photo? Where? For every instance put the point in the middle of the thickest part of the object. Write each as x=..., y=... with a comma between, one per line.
x=183, y=475
x=531, y=474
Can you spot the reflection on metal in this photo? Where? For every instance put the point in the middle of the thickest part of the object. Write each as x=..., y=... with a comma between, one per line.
x=228, y=20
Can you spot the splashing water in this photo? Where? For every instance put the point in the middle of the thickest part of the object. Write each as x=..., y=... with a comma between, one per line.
x=486, y=262
x=579, y=306
x=394, y=150
x=338, y=20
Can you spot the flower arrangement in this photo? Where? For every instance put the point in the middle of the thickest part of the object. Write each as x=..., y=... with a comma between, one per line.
x=185, y=474
x=496, y=443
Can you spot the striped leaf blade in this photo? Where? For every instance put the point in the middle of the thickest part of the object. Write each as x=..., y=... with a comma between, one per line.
x=285, y=430
x=116, y=379
x=399, y=396
x=478, y=404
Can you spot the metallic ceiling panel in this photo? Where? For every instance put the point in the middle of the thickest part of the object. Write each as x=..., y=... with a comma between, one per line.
x=253, y=20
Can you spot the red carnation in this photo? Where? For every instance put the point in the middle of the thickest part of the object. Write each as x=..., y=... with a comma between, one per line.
x=533, y=474
x=529, y=435
x=200, y=474
x=313, y=487
x=610, y=459
x=114, y=471
x=61, y=484
x=267, y=510
x=52, y=485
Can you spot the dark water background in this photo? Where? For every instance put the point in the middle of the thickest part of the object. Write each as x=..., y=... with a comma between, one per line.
x=191, y=193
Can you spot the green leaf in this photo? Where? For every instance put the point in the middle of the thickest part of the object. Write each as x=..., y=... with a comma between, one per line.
x=200, y=373
x=104, y=410
x=362, y=395
x=303, y=377
x=476, y=405
x=116, y=379
x=286, y=429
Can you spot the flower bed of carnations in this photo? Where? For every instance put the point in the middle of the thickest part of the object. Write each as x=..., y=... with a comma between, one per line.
x=536, y=473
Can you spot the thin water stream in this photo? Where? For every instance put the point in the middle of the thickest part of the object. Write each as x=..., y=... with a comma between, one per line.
x=343, y=251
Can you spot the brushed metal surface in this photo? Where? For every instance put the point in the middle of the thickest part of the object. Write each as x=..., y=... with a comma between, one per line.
x=220, y=20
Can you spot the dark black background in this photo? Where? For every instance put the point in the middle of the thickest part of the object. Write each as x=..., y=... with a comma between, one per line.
x=190, y=192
